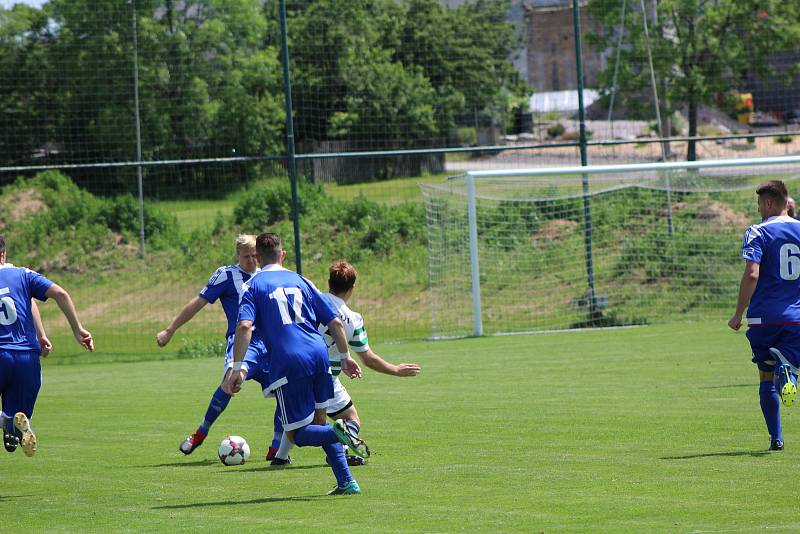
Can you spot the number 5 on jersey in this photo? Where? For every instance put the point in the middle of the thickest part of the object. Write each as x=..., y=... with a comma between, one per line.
x=281, y=295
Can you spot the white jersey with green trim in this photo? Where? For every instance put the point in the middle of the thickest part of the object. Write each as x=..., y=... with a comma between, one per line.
x=354, y=331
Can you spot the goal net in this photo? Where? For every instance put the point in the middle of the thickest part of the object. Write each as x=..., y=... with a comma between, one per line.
x=599, y=246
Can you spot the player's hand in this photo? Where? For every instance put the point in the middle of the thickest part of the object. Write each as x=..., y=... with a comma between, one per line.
x=408, y=369
x=736, y=322
x=163, y=337
x=46, y=346
x=84, y=338
x=351, y=368
x=233, y=384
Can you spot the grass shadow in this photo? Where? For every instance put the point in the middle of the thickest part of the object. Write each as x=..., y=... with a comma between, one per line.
x=751, y=385
x=12, y=497
x=279, y=468
x=196, y=463
x=265, y=500
x=755, y=454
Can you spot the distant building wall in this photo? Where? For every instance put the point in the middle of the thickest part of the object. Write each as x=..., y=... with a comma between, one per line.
x=551, y=46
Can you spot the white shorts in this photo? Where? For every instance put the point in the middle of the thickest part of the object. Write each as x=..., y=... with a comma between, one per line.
x=340, y=397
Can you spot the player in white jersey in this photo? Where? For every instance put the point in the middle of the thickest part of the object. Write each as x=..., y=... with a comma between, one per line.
x=225, y=285
x=341, y=282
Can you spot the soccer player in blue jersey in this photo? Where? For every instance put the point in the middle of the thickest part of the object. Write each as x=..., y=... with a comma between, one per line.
x=341, y=284
x=20, y=349
x=224, y=285
x=770, y=292
x=286, y=308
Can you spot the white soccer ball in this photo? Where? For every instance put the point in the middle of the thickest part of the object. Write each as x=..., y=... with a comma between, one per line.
x=234, y=450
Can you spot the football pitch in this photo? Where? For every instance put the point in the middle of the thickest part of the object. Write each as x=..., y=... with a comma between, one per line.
x=631, y=430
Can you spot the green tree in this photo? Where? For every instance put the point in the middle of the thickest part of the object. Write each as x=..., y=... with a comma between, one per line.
x=385, y=71
x=25, y=39
x=209, y=85
x=702, y=50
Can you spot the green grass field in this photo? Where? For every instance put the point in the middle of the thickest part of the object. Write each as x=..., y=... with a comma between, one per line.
x=634, y=430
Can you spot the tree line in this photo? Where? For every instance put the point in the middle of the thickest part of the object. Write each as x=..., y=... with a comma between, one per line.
x=374, y=73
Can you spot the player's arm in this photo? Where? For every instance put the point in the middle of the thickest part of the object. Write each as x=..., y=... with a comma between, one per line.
x=62, y=298
x=376, y=363
x=241, y=340
x=44, y=342
x=185, y=315
x=349, y=365
x=747, y=286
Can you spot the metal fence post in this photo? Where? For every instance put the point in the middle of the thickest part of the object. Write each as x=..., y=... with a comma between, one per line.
x=587, y=214
x=290, y=148
x=139, y=178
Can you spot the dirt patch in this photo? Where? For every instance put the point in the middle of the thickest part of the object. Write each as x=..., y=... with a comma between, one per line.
x=556, y=230
x=717, y=214
x=20, y=204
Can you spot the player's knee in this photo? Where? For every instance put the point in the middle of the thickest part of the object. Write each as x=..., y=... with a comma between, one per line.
x=350, y=414
x=763, y=376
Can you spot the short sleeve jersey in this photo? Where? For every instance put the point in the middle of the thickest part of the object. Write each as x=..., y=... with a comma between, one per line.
x=225, y=285
x=17, y=286
x=775, y=245
x=285, y=308
x=354, y=331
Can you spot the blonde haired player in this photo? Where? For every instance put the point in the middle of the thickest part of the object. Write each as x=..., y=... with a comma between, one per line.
x=224, y=285
x=341, y=283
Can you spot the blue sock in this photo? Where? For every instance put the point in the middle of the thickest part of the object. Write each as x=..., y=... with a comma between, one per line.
x=771, y=407
x=277, y=430
x=315, y=436
x=335, y=456
x=219, y=401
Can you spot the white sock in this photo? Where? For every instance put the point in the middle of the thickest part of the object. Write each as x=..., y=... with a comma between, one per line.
x=286, y=446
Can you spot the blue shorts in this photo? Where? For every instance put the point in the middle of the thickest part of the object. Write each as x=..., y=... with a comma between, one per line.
x=770, y=343
x=298, y=398
x=20, y=381
x=255, y=360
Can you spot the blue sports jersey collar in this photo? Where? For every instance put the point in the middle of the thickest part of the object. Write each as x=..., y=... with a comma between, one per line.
x=273, y=267
x=777, y=218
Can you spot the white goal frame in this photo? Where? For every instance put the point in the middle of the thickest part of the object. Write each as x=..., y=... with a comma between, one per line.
x=471, y=176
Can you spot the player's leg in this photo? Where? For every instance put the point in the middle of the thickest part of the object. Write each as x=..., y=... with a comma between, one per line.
x=786, y=350
x=281, y=445
x=339, y=403
x=349, y=416
x=10, y=439
x=22, y=397
x=761, y=339
x=785, y=378
x=257, y=362
x=219, y=401
x=300, y=401
x=341, y=407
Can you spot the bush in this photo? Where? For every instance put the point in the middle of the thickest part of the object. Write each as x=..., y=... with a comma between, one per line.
x=76, y=230
x=270, y=201
x=333, y=228
x=556, y=130
x=467, y=136
x=783, y=139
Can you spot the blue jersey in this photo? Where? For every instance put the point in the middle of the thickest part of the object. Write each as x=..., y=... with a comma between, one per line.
x=775, y=245
x=285, y=309
x=226, y=285
x=17, y=286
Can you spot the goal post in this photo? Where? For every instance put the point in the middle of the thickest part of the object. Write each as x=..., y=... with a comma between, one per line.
x=510, y=250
